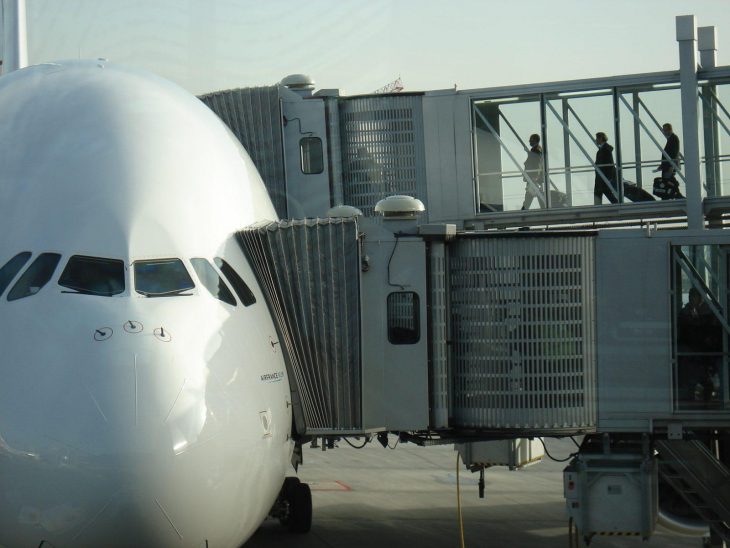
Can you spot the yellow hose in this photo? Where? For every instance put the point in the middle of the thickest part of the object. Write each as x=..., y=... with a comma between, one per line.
x=458, y=503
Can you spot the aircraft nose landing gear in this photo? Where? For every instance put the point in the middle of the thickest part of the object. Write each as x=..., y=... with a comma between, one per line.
x=293, y=507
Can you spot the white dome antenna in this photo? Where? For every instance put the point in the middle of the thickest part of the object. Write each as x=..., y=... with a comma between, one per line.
x=400, y=207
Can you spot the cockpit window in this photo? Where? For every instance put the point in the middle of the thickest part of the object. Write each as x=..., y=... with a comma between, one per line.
x=37, y=275
x=93, y=276
x=11, y=268
x=239, y=286
x=162, y=278
x=212, y=281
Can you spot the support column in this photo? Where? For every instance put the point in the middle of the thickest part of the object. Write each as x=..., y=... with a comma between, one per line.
x=566, y=153
x=545, y=164
x=687, y=38
x=707, y=44
x=16, y=45
x=617, y=141
x=637, y=139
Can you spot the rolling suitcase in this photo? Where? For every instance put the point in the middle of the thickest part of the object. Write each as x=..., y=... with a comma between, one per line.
x=667, y=189
x=635, y=194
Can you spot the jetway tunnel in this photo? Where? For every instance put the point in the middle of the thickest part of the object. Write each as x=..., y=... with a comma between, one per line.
x=392, y=326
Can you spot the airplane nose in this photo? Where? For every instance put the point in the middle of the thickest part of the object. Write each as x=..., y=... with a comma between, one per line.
x=92, y=503
x=100, y=444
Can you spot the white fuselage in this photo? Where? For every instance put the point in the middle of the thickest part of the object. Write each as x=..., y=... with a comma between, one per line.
x=131, y=420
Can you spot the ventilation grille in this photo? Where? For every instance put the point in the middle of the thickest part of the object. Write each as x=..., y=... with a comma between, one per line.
x=523, y=338
x=382, y=150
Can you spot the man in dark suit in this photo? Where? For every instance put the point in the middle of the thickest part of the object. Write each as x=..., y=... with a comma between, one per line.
x=671, y=150
x=667, y=167
x=605, y=184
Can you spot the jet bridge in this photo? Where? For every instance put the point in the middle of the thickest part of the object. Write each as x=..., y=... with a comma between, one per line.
x=395, y=326
x=463, y=152
x=452, y=328
x=405, y=331
x=447, y=336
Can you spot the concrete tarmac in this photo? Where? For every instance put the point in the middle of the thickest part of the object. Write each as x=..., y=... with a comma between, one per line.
x=375, y=497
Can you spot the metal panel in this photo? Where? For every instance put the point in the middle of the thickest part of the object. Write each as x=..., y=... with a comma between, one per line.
x=439, y=336
x=394, y=371
x=634, y=330
x=310, y=272
x=253, y=116
x=523, y=336
x=382, y=149
x=332, y=112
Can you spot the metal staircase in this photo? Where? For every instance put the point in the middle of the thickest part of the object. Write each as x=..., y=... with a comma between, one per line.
x=700, y=478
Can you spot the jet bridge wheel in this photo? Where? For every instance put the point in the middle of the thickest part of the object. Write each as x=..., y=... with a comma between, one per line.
x=298, y=498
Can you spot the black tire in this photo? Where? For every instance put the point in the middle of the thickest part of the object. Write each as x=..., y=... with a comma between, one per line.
x=300, y=509
x=289, y=486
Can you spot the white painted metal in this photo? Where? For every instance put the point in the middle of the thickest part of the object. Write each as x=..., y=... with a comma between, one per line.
x=394, y=375
x=299, y=82
x=307, y=192
x=707, y=44
x=15, y=40
x=449, y=166
x=686, y=36
x=340, y=211
x=399, y=207
x=131, y=440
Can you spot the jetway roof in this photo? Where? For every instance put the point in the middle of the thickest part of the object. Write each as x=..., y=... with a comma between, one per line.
x=641, y=80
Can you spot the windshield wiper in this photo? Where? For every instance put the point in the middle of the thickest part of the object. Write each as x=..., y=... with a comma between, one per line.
x=172, y=293
x=85, y=292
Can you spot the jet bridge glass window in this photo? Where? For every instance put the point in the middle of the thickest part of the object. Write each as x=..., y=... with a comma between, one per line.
x=403, y=318
x=11, y=268
x=581, y=174
x=239, y=286
x=312, y=156
x=162, y=278
x=212, y=281
x=93, y=276
x=715, y=120
x=509, y=169
x=641, y=113
x=37, y=275
x=700, y=327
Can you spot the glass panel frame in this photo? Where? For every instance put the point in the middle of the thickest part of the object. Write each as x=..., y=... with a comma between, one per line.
x=97, y=276
x=700, y=328
x=311, y=155
x=403, y=318
x=35, y=277
x=212, y=281
x=241, y=288
x=166, y=277
x=10, y=269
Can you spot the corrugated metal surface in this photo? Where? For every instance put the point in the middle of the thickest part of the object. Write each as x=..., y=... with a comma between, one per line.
x=254, y=117
x=382, y=149
x=438, y=308
x=523, y=332
x=310, y=271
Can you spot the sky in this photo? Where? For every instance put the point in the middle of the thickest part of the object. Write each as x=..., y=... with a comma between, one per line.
x=359, y=46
